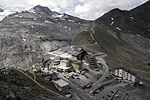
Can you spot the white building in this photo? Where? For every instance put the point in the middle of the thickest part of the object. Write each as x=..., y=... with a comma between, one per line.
x=63, y=69
x=116, y=72
x=133, y=78
x=124, y=75
x=61, y=85
x=120, y=73
x=65, y=63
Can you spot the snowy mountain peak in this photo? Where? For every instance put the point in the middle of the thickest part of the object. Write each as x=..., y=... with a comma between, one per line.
x=40, y=7
x=41, y=10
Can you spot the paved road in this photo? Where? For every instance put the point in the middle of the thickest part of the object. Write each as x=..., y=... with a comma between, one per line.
x=99, y=81
x=106, y=72
x=85, y=94
x=78, y=91
x=90, y=70
x=82, y=94
x=107, y=90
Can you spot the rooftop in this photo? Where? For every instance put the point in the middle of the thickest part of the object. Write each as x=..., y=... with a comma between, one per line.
x=129, y=71
x=65, y=61
x=39, y=60
x=61, y=83
x=62, y=67
x=76, y=53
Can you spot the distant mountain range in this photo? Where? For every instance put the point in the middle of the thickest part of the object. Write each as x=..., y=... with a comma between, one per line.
x=37, y=30
x=40, y=23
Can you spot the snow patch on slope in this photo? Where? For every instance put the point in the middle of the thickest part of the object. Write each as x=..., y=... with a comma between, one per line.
x=58, y=16
x=118, y=28
x=112, y=23
x=32, y=11
x=4, y=13
x=112, y=18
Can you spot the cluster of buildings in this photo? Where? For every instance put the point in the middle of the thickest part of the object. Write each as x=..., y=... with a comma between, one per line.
x=73, y=62
x=66, y=63
x=124, y=75
x=80, y=54
x=59, y=83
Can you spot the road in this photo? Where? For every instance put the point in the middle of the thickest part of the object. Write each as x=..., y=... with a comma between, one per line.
x=90, y=70
x=99, y=81
x=91, y=35
x=34, y=80
x=86, y=96
x=81, y=93
x=77, y=90
x=107, y=90
x=106, y=72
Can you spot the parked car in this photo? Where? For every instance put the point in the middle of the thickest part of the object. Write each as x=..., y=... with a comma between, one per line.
x=87, y=86
x=109, y=95
x=99, y=89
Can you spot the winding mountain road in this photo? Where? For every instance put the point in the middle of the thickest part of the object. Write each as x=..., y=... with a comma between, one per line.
x=34, y=80
x=91, y=34
x=99, y=81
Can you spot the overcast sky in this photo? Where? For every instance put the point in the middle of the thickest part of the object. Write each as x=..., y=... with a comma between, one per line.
x=86, y=9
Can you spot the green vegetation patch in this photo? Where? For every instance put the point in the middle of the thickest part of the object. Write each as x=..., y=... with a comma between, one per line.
x=22, y=87
x=83, y=39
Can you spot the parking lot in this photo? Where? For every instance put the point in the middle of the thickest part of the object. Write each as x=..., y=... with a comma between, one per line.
x=82, y=80
x=118, y=94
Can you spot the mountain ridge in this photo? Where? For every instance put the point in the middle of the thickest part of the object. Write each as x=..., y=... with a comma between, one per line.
x=126, y=27
x=123, y=22
x=36, y=32
x=124, y=37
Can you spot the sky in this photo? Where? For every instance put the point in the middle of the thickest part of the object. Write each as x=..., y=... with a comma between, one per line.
x=86, y=9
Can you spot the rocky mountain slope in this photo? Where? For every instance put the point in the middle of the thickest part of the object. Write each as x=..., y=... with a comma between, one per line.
x=124, y=36
x=35, y=31
x=125, y=33
x=133, y=26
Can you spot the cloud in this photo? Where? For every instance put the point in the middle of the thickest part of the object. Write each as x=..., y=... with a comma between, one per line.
x=87, y=9
x=92, y=9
